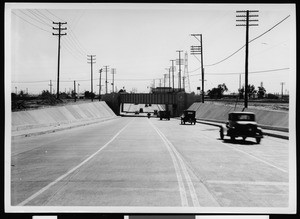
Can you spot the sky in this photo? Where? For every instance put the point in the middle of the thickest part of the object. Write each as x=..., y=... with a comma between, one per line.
x=139, y=40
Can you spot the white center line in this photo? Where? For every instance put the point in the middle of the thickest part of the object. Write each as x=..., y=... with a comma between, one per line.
x=184, y=201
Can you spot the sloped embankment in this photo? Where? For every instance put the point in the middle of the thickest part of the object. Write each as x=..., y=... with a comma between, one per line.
x=67, y=114
x=272, y=119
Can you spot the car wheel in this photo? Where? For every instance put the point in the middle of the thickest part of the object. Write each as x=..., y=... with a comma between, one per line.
x=232, y=138
x=221, y=135
x=160, y=118
x=258, y=140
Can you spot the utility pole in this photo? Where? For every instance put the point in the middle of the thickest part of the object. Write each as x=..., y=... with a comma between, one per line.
x=91, y=60
x=168, y=69
x=282, y=83
x=113, y=72
x=100, y=71
x=106, y=69
x=246, y=16
x=165, y=76
x=50, y=86
x=186, y=72
x=198, y=50
x=59, y=34
x=240, y=83
x=173, y=72
x=179, y=74
x=74, y=91
x=169, y=77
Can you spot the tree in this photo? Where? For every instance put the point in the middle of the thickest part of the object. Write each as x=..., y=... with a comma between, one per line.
x=261, y=92
x=89, y=95
x=251, y=91
x=217, y=92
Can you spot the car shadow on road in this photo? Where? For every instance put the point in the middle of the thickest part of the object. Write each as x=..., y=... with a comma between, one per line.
x=187, y=124
x=238, y=141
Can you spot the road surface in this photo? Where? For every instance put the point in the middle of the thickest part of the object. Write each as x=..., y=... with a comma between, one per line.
x=136, y=161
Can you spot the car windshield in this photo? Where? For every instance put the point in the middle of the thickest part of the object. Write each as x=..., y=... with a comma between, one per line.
x=242, y=117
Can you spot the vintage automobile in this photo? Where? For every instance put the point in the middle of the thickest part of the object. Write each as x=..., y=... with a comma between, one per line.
x=188, y=116
x=241, y=124
x=164, y=115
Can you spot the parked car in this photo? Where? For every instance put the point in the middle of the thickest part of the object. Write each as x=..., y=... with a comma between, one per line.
x=241, y=124
x=164, y=115
x=188, y=116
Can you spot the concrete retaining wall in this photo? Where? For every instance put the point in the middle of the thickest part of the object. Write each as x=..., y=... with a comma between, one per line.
x=217, y=112
x=60, y=115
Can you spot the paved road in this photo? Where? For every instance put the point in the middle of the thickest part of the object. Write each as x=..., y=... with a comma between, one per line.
x=148, y=162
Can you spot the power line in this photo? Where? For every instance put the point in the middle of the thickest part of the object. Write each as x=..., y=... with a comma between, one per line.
x=36, y=19
x=249, y=42
x=132, y=79
x=76, y=40
x=68, y=49
x=39, y=12
x=31, y=23
x=71, y=46
x=253, y=72
x=73, y=39
x=54, y=15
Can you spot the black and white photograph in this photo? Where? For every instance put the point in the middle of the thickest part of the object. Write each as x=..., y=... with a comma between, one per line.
x=142, y=108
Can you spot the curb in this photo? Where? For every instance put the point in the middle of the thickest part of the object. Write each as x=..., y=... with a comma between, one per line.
x=264, y=132
x=57, y=129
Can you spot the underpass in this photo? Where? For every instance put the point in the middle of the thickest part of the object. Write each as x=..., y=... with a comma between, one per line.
x=148, y=162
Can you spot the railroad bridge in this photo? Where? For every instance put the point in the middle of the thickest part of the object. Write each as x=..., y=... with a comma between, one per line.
x=175, y=102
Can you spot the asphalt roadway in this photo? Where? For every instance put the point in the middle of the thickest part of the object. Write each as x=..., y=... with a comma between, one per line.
x=136, y=161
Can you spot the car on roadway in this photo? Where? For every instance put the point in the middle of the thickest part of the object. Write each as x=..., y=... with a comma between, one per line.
x=241, y=124
x=164, y=115
x=188, y=116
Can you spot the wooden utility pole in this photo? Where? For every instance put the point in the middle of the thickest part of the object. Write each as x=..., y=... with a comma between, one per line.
x=173, y=73
x=50, y=86
x=106, y=69
x=59, y=35
x=74, y=91
x=246, y=16
x=198, y=50
x=179, y=74
x=91, y=60
x=100, y=71
x=113, y=72
x=282, y=83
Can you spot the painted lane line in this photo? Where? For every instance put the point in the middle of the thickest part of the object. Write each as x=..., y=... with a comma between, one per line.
x=72, y=170
x=184, y=201
x=278, y=168
x=250, y=155
x=185, y=172
x=259, y=183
